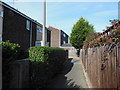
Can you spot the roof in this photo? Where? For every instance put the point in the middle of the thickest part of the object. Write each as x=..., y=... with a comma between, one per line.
x=65, y=33
x=51, y=27
x=18, y=12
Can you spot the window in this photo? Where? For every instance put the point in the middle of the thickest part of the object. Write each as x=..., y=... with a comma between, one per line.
x=64, y=42
x=39, y=29
x=1, y=13
x=64, y=35
x=37, y=43
x=28, y=25
x=0, y=37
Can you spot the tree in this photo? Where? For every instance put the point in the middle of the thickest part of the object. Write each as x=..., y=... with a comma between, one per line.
x=79, y=32
x=89, y=38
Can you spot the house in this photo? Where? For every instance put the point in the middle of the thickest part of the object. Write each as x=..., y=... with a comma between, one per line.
x=58, y=37
x=19, y=28
x=39, y=36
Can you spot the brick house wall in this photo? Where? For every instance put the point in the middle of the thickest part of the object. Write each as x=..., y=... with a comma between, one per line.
x=14, y=29
x=54, y=36
x=58, y=37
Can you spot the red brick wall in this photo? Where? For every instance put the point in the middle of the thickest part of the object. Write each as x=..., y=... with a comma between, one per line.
x=54, y=37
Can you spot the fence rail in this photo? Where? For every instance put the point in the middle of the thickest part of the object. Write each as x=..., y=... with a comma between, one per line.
x=102, y=65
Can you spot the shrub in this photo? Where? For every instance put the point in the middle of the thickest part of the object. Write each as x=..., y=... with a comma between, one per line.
x=45, y=63
x=10, y=52
x=115, y=36
x=89, y=38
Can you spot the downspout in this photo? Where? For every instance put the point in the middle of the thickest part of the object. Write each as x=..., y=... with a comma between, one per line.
x=31, y=34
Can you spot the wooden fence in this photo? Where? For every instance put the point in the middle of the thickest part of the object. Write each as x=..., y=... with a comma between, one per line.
x=102, y=65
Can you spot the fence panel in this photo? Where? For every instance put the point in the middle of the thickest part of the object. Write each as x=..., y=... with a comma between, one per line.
x=102, y=66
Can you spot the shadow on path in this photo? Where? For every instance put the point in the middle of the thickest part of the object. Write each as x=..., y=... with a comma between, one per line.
x=61, y=80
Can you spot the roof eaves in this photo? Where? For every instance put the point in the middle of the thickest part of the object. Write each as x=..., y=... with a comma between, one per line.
x=18, y=12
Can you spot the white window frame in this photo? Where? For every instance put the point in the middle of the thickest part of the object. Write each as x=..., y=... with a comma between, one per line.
x=28, y=25
x=1, y=13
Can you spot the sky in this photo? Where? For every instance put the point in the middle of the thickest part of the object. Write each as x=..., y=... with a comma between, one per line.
x=63, y=15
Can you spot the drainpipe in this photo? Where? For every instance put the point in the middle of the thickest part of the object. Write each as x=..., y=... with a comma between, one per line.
x=31, y=34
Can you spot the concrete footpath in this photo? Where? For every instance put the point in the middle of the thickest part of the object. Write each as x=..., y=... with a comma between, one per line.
x=72, y=76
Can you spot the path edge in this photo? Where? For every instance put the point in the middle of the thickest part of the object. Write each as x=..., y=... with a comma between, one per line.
x=86, y=76
x=85, y=73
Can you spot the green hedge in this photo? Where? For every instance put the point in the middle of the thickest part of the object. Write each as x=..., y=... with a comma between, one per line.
x=46, y=62
x=10, y=52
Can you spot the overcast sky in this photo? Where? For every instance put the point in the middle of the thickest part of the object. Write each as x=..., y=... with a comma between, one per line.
x=63, y=15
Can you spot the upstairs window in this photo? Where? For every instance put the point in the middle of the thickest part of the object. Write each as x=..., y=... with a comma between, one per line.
x=28, y=25
x=64, y=42
x=1, y=13
x=39, y=29
x=64, y=35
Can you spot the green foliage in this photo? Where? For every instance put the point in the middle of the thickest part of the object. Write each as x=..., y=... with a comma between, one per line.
x=113, y=37
x=89, y=38
x=45, y=63
x=79, y=32
x=10, y=52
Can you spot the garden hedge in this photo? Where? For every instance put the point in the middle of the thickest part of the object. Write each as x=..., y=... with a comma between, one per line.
x=46, y=62
x=10, y=53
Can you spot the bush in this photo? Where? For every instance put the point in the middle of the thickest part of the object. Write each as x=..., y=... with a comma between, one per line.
x=45, y=63
x=10, y=52
x=89, y=38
